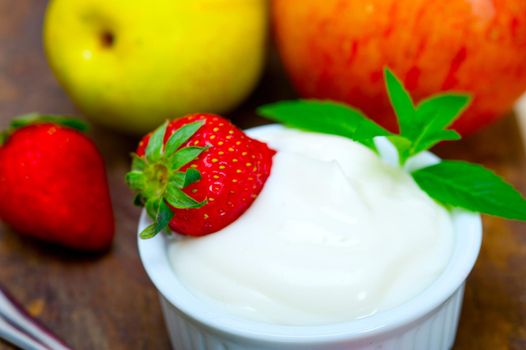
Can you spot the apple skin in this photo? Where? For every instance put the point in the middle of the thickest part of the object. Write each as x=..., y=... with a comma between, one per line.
x=129, y=65
x=336, y=50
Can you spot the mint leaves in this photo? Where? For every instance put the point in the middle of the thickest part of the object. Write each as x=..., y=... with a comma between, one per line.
x=425, y=125
x=325, y=117
x=421, y=127
x=452, y=183
x=472, y=187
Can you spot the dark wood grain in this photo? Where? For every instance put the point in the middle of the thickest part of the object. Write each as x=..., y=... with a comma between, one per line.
x=107, y=301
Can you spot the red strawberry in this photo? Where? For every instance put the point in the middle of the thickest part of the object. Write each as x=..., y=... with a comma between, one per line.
x=53, y=185
x=197, y=174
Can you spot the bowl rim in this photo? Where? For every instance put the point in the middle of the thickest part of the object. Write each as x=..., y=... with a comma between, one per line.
x=467, y=243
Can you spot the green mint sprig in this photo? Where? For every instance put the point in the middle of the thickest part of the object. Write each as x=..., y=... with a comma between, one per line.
x=326, y=117
x=423, y=126
x=452, y=183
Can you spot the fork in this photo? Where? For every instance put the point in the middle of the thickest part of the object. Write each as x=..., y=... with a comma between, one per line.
x=22, y=330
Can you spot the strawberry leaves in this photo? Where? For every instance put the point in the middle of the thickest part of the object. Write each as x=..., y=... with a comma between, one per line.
x=178, y=199
x=181, y=136
x=161, y=214
x=155, y=148
x=181, y=180
x=34, y=118
x=185, y=156
x=422, y=126
x=37, y=118
x=157, y=179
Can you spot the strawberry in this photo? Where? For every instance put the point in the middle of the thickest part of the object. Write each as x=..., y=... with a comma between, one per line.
x=198, y=174
x=53, y=185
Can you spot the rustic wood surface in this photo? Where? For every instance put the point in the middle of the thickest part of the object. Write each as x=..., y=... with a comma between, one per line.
x=107, y=301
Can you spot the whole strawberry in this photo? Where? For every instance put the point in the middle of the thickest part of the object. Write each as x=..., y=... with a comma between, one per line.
x=197, y=174
x=53, y=185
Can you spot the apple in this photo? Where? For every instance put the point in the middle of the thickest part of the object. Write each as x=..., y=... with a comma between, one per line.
x=336, y=49
x=131, y=64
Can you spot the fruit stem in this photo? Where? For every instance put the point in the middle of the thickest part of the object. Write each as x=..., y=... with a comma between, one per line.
x=157, y=176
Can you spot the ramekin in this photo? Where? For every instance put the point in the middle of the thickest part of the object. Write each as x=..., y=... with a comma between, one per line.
x=428, y=321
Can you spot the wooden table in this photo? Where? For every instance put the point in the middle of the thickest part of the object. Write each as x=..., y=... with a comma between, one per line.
x=107, y=301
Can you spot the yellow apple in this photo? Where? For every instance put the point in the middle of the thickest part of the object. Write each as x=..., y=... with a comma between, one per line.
x=129, y=64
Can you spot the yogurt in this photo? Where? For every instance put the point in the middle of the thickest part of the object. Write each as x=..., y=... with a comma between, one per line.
x=336, y=234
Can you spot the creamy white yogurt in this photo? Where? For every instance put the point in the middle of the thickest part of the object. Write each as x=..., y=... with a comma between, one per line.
x=335, y=235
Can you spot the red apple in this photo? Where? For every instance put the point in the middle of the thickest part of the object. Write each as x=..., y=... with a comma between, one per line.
x=336, y=49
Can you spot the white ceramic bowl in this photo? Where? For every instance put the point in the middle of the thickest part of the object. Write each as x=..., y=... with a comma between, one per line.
x=428, y=321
